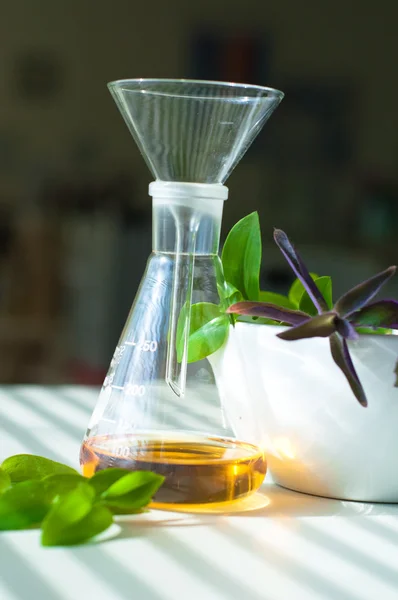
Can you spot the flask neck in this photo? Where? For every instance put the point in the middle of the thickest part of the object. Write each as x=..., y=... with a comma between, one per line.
x=187, y=216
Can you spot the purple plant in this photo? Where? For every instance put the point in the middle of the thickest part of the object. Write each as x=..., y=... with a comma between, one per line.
x=340, y=323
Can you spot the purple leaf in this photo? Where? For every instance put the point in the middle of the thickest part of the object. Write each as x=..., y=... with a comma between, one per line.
x=319, y=326
x=379, y=314
x=300, y=269
x=360, y=295
x=342, y=358
x=269, y=311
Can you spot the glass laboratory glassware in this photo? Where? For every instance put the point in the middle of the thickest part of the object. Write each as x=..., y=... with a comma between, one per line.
x=157, y=410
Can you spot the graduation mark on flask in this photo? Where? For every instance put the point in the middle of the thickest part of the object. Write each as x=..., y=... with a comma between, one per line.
x=145, y=345
x=131, y=389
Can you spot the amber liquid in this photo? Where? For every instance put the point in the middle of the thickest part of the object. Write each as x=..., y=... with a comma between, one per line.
x=197, y=471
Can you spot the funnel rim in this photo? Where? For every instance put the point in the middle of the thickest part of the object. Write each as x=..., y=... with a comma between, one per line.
x=267, y=91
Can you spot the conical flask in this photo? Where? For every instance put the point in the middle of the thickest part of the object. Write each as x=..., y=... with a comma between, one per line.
x=159, y=409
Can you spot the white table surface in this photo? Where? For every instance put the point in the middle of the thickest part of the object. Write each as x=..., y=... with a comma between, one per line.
x=291, y=547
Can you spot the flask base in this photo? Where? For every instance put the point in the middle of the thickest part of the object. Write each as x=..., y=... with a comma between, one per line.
x=198, y=470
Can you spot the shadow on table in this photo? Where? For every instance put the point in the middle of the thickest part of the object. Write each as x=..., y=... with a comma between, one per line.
x=282, y=502
x=275, y=501
x=272, y=501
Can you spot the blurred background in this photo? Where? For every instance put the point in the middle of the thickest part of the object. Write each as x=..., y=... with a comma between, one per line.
x=75, y=216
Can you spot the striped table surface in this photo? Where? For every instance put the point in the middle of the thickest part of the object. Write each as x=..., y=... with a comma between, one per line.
x=289, y=546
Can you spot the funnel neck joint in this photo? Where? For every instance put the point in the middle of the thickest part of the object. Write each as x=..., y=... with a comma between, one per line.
x=182, y=211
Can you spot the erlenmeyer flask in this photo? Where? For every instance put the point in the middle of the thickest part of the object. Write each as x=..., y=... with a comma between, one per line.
x=159, y=408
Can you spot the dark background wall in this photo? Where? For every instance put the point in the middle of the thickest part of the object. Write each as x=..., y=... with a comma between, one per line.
x=75, y=214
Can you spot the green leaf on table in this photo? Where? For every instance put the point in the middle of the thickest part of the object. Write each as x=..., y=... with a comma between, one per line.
x=5, y=480
x=59, y=485
x=133, y=491
x=58, y=533
x=66, y=511
x=102, y=480
x=72, y=506
x=324, y=285
x=208, y=331
x=24, y=467
x=133, y=481
x=241, y=256
x=297, y=290
x=23, y=505
x=278, y=299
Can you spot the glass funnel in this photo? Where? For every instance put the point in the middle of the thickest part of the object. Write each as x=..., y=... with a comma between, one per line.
x=159, y=408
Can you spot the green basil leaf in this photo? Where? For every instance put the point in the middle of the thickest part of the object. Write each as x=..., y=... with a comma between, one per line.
x=297, y=290
x=67, y=510
x=208, y=331
x=58, y=533
x=241, y=256
x=23, y=505
x=132, y=481
x=24, y=467
x=5, y=480
x=324, y=285
x=102, y=480
x=277, y=299
x=74, y=505
x=59, y=485
x=133, y=491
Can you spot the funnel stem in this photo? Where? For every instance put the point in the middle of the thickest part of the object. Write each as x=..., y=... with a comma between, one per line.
x=180, y=309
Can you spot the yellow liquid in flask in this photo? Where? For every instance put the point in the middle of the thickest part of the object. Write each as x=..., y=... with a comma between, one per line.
x=197, y=470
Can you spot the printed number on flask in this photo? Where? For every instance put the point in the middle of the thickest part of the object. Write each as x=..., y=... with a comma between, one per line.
x=122, y=451
x=149, y=346
x=132, y=389
x=144, y=346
